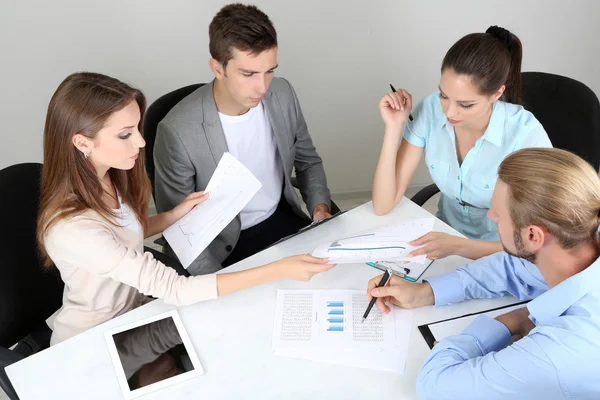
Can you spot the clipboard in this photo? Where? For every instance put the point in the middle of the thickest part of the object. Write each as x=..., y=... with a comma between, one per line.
x=410, y=272
x=308, y=228
x=436, y=331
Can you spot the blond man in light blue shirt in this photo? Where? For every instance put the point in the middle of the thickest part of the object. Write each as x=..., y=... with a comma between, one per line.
x=464, y=131
x=546, y=206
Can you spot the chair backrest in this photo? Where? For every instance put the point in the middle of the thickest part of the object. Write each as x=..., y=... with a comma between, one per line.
x=28, y=293
x=568, y=110
x=155, y=113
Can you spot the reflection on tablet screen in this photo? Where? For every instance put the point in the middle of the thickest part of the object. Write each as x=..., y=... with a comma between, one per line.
x=151, y=353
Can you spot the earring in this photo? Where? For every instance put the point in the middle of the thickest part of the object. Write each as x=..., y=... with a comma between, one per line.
x=86, y=154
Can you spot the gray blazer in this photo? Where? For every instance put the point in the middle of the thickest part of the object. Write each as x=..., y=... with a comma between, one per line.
x=190, y=142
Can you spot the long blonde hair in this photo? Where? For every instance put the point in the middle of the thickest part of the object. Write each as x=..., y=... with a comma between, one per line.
x=555, y=189
x=82, y=104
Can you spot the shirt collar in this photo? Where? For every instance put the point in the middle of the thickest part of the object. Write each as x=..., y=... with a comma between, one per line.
x=495, y=130
x=556, y=301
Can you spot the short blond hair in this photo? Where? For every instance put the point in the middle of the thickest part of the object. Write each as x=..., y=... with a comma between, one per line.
x=555, y=189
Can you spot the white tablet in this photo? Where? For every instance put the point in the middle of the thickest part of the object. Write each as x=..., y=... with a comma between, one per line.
x=152, y=354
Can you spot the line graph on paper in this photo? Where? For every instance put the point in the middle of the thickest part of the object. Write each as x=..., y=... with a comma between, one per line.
x=230, y=188
x=192, y=228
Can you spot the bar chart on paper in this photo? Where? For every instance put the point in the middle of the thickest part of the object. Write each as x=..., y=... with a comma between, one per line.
x=325, y=325
x=335, y=316
x=330, y=319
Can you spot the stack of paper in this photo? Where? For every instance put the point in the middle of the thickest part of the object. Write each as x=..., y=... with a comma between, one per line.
x=388, y=243
x=325, y=325
x=230, y=188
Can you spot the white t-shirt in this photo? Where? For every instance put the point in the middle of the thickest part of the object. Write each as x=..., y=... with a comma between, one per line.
x=251, y=140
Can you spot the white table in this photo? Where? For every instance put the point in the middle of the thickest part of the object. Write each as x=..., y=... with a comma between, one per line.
x=232, y=336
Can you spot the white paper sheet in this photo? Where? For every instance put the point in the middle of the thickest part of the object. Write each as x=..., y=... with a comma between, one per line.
x=330, y=319
x=380, y=360
x=388, y=243
x=230, y=188
x=303, y=319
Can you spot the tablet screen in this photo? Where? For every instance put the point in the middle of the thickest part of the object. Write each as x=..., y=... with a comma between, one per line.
x=151, y=354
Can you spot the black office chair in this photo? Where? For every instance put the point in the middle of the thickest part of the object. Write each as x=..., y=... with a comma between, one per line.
x=568, y=110
x=28, y=293
x=156, y=112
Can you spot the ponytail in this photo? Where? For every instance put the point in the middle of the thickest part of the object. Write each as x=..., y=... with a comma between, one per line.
x=492, y=59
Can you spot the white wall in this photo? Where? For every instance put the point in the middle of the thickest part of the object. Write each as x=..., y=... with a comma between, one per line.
x=340, y=56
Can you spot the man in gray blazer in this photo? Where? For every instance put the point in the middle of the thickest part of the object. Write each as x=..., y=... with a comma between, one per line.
x=257, y=118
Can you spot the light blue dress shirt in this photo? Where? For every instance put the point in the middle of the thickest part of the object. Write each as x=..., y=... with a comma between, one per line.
x=559, y=359
x=511, y=128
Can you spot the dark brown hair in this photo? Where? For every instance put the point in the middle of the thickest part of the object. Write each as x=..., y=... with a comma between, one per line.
x=491, y=59
x=81, y=105
x=240, y=26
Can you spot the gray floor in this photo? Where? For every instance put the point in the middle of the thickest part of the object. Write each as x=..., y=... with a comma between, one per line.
x=345, y=202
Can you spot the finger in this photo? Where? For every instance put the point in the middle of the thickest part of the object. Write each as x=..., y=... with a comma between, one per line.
x=374, y=282
x=402, y=99
x=380, y=303
x=419, y=252
x=314, y=260
x=393, y=101
x=397, y=303
x=199, y=199
x=399, y=101
x=323, y=268
x=408, y=99
x=422, y=240
x=197, y=194
x=383, y=291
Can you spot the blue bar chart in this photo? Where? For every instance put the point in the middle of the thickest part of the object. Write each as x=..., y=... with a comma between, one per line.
x=335, y=316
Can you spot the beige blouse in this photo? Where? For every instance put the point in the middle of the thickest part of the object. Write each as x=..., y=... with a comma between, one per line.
x=107, y=273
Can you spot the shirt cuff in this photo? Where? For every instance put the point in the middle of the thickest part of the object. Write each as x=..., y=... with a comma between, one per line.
x=447, y=288
x=490, y=334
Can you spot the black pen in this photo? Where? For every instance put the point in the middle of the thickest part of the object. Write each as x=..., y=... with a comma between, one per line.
x=383, y=282
x=394, y=90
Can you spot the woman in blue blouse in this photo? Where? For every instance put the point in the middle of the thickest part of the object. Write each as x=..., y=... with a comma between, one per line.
x=464, y=130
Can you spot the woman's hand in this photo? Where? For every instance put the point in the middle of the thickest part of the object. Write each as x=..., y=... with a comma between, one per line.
x=186, y=205
x=301, y=267
x=439, y=245
x=395, y=108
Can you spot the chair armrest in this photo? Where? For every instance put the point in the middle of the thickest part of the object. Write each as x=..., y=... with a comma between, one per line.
x=8, y=357
x=425, y=194
x=35, y=342
x=161, y=241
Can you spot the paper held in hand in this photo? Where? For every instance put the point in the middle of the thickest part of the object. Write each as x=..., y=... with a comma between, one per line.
x=388, y=243
x=230, y=188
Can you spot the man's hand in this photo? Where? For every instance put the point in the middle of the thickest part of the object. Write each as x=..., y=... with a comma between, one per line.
x=400, y=293
x=321, y=212
x=517, y=322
